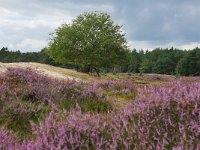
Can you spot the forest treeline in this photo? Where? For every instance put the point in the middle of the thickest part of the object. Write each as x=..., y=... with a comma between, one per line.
x=160, y=61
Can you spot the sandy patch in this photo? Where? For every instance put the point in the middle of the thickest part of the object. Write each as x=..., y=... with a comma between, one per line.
x=40, y=68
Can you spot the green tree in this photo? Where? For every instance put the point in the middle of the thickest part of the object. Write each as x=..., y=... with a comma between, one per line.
x=135, y=59
x=190, y=63
x=162, y=61
x=92, y=40
x=146, y=66
x=163, y=65
x=3, y=53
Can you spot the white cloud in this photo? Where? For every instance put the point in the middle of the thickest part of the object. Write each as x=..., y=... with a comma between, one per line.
x=31, y=44
x=150, y=45
x=6, y=13
x=102, y=7
x=32, y=23
x=190, y=45
x=18, y=24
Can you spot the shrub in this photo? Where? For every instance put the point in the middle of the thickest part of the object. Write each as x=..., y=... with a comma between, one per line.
x=160, y=118
x=8, y=140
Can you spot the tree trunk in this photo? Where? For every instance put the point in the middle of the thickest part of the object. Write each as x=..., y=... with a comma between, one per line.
x=97, y=71
x=87, y=69
x=114, y=71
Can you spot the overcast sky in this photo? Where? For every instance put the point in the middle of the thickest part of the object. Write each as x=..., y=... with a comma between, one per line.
x=26, y=24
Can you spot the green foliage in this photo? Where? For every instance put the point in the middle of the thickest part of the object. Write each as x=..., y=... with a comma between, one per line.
x=190, y=63
x=101, y=106
x=92, y=40
x=129, y=96
x=163, y=65
x=135, y=59
x=146, y=66
x=161, y=61
x=7, y=56
x=20, y=121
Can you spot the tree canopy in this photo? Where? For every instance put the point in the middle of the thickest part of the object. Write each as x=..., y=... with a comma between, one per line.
x=161, y=61
x=92, y=40
x=189, y=64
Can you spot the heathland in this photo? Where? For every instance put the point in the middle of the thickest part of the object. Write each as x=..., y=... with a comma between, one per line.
x=46, y=107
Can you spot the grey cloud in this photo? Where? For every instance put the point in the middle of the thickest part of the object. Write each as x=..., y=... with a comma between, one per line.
x=163, y=21
x=148, y=23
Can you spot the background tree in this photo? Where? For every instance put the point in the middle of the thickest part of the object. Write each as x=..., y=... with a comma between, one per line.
x=3, y=53
x=135, y=59
x=161, y=61
x=190, y=63
x=8, y=56
x=146, y=66
x=163, y=65
x=92, y=40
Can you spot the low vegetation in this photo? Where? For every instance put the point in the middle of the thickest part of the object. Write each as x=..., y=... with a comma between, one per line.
x=38, y=112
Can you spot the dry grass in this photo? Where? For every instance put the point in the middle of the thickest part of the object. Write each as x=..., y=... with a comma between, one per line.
x=62, y=73
x=54, y=72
